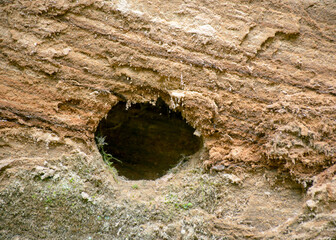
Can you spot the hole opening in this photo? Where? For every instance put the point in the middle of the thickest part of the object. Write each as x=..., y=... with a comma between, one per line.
x=145, y=141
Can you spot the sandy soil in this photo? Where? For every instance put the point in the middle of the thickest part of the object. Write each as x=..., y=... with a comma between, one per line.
x=256, y=79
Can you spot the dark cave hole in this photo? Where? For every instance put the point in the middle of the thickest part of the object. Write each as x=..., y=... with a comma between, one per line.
x=148, y=140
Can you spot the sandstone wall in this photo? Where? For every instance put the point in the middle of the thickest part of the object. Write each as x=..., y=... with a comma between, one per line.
x=256, y=78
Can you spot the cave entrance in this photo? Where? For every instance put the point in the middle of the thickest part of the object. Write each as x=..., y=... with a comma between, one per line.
x=145, y=140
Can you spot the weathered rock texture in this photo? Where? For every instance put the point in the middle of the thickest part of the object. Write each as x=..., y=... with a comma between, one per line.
x=256, y=78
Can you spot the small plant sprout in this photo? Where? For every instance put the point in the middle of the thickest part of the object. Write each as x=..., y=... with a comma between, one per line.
x=100, y=140
x=186, y=206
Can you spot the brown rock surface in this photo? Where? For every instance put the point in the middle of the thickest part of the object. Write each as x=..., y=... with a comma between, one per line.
x=255, y=78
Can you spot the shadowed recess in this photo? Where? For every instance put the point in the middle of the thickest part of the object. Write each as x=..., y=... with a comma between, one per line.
x=148, y=140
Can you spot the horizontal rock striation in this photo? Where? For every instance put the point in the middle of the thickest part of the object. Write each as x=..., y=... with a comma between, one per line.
x=256, y=79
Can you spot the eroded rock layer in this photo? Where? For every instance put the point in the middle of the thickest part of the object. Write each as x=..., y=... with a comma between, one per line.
x=255, y=78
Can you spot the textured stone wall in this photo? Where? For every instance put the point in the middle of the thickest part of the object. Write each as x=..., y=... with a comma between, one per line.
x=256, y=78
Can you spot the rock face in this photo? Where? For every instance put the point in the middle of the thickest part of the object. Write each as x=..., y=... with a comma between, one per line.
x=255, y=78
